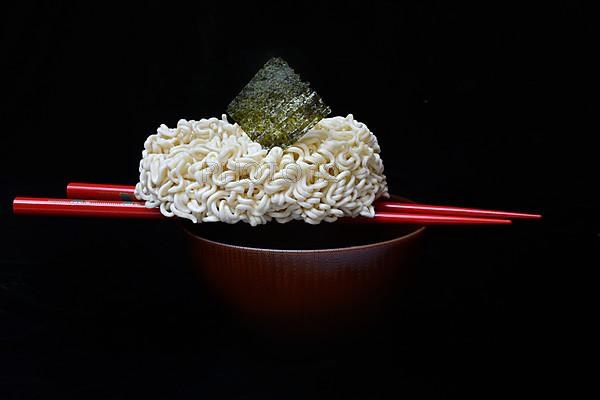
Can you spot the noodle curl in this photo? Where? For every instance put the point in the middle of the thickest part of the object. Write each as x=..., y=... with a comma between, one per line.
x=210, y=170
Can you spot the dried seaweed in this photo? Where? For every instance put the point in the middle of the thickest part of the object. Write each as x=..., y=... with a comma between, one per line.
x=276, y=108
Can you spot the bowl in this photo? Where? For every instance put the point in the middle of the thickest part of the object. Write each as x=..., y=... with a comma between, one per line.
x=297, y=279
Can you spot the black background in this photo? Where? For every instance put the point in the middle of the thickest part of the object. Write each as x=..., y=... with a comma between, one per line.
x=486, y=106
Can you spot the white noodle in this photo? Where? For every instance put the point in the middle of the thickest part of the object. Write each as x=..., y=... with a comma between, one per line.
x=210, y=170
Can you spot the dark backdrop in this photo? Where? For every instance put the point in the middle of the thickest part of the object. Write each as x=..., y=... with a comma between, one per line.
x=486, y=106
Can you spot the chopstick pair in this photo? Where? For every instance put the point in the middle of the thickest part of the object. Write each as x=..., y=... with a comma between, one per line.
x=105, y=200
x=123, y=192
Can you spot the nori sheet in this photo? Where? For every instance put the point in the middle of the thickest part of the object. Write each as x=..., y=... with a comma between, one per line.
x=276, y=108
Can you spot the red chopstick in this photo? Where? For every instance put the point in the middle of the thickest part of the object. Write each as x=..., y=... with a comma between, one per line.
x=428, y=219
x=83, y=208
x=96, y=191
x=121, y=192
x=126, y=209
x=447, y=210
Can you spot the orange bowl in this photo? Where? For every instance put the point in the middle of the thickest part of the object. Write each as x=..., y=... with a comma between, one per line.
x=305, y=280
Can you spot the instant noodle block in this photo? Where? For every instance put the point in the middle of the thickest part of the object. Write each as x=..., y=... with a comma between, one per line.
x=276, y=108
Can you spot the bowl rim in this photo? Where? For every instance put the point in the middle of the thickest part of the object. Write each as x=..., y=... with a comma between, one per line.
x=417, y=231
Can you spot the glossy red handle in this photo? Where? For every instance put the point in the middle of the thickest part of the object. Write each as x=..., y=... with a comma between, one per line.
x=127, y=209
x=432, y=219
x=447, y=210
x=83, y=208
x=94, y=191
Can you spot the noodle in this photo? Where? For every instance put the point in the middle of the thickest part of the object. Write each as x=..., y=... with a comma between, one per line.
x=210, y=170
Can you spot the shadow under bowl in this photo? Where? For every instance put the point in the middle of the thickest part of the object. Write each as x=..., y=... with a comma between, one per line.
x=302, y=280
